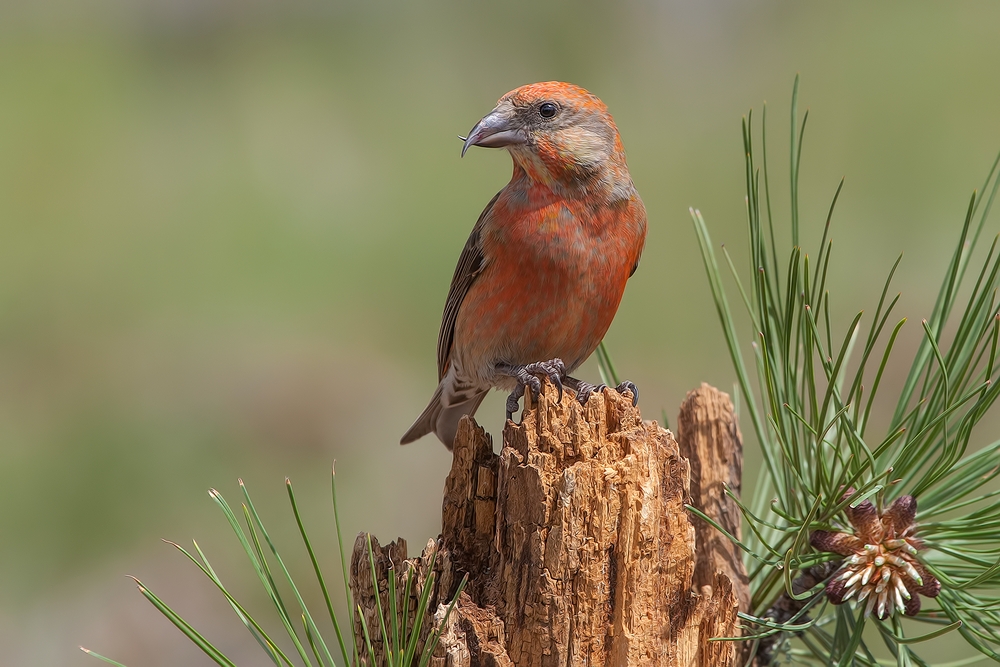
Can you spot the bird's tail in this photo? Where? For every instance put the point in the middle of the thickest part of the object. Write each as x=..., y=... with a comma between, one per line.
x=442, y=420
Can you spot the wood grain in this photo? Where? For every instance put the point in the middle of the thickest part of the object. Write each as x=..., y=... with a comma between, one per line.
x=577, y=543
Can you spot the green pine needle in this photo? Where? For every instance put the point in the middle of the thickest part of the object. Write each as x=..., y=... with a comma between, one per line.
x=810, y=404
x=400, y=629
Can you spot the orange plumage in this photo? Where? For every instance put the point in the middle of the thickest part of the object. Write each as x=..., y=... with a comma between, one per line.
x=545, y=267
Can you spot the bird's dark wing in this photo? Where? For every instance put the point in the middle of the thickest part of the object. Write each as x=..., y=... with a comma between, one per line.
x=470, y=264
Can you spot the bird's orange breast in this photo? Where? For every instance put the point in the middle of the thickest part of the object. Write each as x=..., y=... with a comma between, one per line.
x=554, y=273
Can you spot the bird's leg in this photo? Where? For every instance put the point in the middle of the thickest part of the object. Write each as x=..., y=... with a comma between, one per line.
x=527, y=375
x=585, y=389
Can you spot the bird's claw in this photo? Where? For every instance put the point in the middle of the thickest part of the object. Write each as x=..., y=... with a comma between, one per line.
x=513, y=399
x=584, y=390
x=527, y=376
x=626, y=385
x=554, y=370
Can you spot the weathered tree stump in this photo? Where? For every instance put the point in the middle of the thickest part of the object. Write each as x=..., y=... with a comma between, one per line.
x=577, y=543
x=710, y=440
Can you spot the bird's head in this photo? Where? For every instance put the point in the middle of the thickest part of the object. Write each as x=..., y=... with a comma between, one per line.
x=558, y=133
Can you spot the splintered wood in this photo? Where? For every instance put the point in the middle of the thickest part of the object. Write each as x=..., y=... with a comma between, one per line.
x=710, y=439
x=577, y=544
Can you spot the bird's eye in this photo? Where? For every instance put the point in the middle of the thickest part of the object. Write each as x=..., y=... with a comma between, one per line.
x=547, y=110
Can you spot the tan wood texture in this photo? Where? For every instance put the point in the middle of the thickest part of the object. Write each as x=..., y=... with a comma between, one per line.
x=577, y=542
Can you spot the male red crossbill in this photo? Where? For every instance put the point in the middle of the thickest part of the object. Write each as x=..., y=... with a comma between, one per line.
x=543, y=272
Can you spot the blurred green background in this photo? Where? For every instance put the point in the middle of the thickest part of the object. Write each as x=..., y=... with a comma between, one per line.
x=227, y=228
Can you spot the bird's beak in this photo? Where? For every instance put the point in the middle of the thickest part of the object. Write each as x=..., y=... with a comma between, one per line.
x=497, y=129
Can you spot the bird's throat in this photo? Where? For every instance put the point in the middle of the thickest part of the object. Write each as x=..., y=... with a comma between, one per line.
x=566, y=175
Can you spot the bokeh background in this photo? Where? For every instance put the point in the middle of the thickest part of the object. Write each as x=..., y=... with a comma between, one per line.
x=227, y=228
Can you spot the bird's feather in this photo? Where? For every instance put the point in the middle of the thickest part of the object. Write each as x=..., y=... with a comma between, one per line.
x=470, y=265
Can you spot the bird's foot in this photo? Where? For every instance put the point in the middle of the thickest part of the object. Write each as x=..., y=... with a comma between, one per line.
x=628, y=385
x=528, y=375
x=585, y=389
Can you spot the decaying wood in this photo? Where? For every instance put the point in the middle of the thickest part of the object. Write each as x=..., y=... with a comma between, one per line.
x=710, y=440
x=577, y=544
x=468, y=630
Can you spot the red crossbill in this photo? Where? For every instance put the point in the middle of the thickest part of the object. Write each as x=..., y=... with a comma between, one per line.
x=543, y=272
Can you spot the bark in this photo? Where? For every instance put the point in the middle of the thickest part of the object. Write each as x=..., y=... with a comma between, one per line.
x=577, y=544
x=710, y=439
